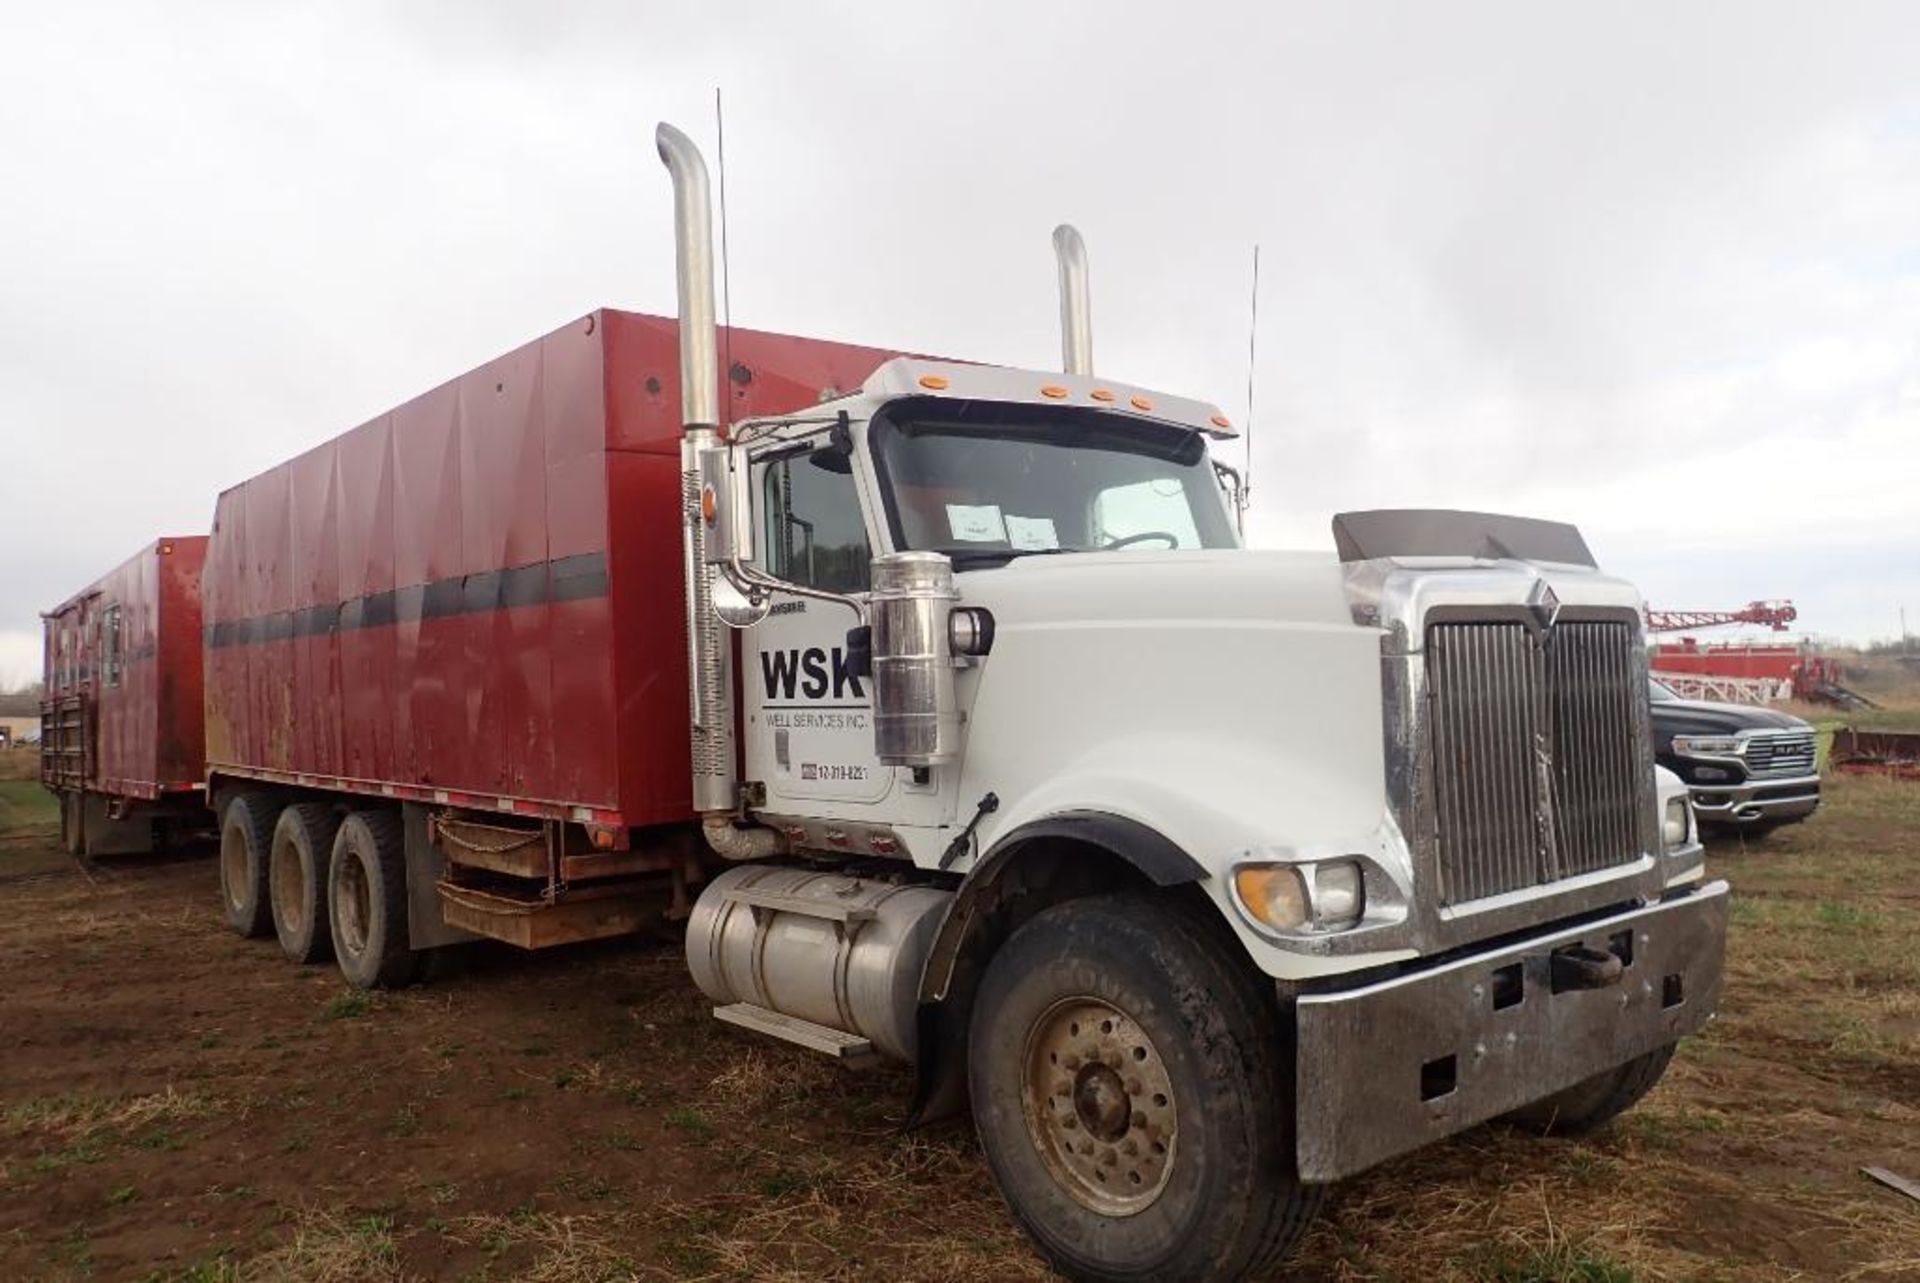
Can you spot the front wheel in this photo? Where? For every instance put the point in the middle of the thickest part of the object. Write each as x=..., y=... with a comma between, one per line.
x=1133, y=1089
x=1593, y=1102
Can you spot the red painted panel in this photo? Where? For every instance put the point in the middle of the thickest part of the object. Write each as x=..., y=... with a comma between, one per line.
x=367, y=691
x=180, y=754
x=145, y=720
x=770, y=374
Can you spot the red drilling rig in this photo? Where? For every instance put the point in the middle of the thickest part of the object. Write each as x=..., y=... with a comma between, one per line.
x=1745, y=672
x=1776, y=615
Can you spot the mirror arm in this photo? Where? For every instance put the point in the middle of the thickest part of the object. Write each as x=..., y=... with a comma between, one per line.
x=757, y=585
x=1236, y=487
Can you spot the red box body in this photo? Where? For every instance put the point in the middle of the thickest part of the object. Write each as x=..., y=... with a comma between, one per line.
x=477, y=598
x=129, y=724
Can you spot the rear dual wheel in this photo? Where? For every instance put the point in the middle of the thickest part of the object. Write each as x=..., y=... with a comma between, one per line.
x=246, y=846
x=73, y=833
x=367, y=902
x=297, y=880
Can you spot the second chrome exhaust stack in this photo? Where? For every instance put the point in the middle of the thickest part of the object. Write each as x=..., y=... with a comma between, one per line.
x=1076, y=304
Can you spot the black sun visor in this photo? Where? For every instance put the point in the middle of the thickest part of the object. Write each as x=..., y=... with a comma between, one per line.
x=1442, y=532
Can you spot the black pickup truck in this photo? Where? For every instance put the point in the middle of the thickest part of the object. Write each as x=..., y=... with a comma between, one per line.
x=1747, y=768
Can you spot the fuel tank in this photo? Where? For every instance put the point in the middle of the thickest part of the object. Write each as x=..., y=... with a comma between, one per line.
x=827, y=948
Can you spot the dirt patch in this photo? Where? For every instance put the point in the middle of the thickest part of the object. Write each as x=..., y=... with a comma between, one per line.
x=178, y=1103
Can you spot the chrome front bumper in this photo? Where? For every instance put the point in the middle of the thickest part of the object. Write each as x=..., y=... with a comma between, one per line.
x=1756, y=800
x=1389, y=1067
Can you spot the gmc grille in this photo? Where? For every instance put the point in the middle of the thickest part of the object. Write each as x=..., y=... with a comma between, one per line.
x=1540, y=766
x=1780, y=756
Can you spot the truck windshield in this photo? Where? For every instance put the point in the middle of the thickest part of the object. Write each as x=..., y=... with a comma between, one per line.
x=985, y=482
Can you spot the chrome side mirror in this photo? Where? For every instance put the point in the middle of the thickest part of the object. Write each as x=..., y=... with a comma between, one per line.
x=726, y=504
x=736, y=608
x=916, y=713
x=726, y=509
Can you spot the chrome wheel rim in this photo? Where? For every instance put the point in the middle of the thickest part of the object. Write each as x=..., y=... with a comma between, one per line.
x=1099, y=1106
x=233, y=868
x=353, y=905
x=289, y=903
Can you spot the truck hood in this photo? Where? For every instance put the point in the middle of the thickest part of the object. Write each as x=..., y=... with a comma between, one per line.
x=1200, y=588
x=1703, y=717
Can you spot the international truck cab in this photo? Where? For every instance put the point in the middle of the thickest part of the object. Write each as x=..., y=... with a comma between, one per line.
x=940, y=470
x=1208, y=875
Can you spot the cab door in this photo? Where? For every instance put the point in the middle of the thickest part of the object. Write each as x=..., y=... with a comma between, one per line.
x=809, y=724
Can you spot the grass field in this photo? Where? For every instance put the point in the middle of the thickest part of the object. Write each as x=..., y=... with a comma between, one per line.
x=176, y=1103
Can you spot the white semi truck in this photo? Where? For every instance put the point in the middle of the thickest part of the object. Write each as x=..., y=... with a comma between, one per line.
x=1208, y=876
x=1204, y=876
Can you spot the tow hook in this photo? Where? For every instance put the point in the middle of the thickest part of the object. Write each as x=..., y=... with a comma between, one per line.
x=1576, y=966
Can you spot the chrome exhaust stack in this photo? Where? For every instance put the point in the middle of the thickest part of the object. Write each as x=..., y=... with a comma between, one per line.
x=1076, y=302
x=710, y=679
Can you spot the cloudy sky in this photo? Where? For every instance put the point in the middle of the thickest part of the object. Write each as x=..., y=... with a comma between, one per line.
x=1652, y=268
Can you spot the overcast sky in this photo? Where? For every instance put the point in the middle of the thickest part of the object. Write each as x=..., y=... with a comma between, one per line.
x=1651, y=268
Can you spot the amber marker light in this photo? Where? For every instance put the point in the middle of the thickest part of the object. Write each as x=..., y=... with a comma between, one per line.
x=1102, y=394
x=1221, y=421
x=934, y=382
x=1273, y=893
x=1053, y=391
x=1140, y=403
x=708, y=505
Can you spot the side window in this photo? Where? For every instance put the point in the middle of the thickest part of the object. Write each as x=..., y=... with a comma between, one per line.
x=814, y=535
x=113, y=646
x=1159, y=506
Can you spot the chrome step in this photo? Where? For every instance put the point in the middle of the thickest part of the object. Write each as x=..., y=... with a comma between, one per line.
x=829, y=1042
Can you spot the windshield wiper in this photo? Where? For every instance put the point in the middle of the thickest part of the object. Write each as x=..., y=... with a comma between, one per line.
x=968, y=558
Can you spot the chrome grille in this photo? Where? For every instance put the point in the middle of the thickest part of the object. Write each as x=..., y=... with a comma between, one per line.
x=1538, y=750
x=1599, y=695
x=1780, y=756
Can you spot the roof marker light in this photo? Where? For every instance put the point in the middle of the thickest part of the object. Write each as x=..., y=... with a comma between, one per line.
x=1101, y=394
x=1221, y=421
x=1053, y=391
x=934, y=382
x=1139, y=403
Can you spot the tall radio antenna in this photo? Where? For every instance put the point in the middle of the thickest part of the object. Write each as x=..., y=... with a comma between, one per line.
x=1253, y=336
x=726, y=262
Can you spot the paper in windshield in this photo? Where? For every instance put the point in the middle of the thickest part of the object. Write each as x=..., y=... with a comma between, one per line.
x=976, y=522
x=1031, y=534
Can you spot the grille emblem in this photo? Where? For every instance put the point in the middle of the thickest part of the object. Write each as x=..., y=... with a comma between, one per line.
x=1543, y=605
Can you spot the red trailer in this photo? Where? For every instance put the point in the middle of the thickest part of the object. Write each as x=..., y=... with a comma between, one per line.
x=120, y=723
x=473, y=606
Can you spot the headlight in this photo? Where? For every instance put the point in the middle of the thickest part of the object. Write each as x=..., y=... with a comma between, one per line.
x=1706, y=745
x=1328, y=896
x=1339, y=894
x=1674, y=825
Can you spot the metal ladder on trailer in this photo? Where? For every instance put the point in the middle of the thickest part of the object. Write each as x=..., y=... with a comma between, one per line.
x=66, y=741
